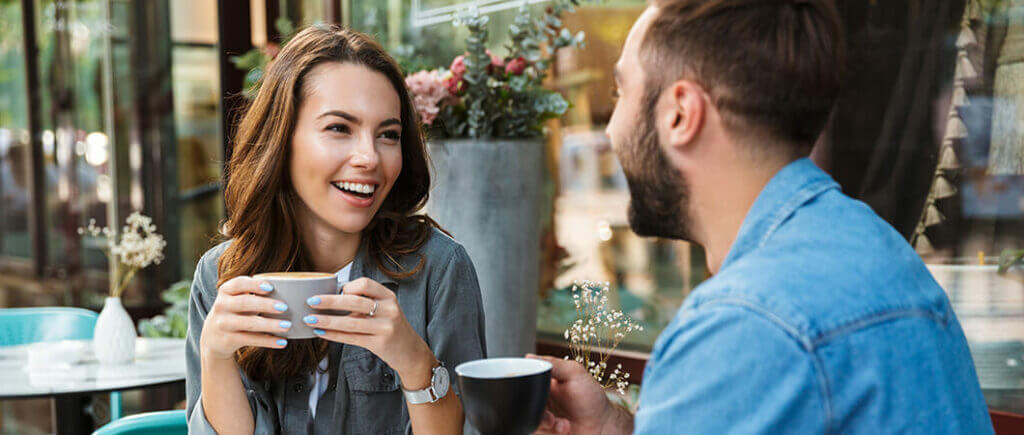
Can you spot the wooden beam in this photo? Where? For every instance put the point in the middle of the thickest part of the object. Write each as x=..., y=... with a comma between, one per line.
x=234, y=38
x=37, y=199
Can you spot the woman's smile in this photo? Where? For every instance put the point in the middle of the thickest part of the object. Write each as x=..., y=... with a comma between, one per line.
x=358, y=194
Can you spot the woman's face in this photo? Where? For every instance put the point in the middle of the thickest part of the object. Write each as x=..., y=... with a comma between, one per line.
x=346, y=150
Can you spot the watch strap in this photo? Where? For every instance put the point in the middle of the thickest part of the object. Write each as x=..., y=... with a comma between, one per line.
x=417, y=397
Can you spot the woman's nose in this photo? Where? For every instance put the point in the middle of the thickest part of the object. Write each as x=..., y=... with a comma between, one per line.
x=364, y=154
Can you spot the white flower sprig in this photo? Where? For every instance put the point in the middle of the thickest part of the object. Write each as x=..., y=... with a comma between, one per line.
x=140, y=246
x=597, y=331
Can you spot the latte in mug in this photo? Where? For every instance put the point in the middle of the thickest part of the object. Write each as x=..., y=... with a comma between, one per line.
x=294, y=288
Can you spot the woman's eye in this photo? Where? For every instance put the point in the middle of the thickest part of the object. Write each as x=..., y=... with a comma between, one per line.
x=338, y=128
x=391, y=134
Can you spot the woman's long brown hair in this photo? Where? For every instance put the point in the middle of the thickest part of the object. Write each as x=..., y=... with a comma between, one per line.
x=262, y=204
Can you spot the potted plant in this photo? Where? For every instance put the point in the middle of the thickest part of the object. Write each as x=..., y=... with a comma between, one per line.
x=135, y=248
x=484, y=117
x=173, y=323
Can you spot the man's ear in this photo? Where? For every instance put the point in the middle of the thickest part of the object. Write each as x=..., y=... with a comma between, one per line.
x=685, y=116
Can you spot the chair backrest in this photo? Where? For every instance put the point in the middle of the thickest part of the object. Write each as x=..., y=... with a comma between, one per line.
x=40, y=324
x=150, y=423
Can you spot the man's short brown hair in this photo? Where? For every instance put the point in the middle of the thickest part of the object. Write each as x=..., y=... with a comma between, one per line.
x=770, y=66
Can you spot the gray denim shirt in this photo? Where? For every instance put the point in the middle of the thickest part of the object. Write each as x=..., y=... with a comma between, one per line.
x=441, y=302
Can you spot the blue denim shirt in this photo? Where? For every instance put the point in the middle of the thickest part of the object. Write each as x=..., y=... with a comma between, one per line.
x=822, y=319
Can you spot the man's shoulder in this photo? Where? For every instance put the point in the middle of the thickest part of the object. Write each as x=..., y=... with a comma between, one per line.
x=833, y=263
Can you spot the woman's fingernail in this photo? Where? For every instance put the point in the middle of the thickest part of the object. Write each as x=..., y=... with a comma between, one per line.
x=282, y=342
x=318, y=331
x=286, y=324
x=281, y=307
x=266, y=287
x=315, y=300
x=309, y=319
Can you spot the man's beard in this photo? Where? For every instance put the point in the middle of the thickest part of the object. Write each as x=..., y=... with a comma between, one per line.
x=659, y=201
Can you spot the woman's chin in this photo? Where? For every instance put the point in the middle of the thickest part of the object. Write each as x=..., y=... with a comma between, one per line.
x=350, y=224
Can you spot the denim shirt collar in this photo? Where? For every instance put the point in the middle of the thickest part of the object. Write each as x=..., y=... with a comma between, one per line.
x=362, y=266
x=797, y=183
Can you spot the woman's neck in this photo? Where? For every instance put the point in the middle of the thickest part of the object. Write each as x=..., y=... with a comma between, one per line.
x=329, y=250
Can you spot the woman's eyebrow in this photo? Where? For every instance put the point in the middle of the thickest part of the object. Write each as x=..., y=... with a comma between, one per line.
x=349, y=117
x=390, y=121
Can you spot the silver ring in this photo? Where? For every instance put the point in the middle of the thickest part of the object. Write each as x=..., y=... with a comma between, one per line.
x=374, y=309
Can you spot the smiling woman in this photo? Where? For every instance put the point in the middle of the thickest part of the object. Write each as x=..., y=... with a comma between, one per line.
x=328, y=173
x=346, y=150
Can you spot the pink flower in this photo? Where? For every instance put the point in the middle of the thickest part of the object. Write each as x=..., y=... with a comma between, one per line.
x=458, y=66
x=454, y=84
x=516, y=66
x=428, y=92
x=271, y=50
x=496, y=64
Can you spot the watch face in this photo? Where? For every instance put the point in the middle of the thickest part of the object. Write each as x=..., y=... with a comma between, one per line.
x=441, y=381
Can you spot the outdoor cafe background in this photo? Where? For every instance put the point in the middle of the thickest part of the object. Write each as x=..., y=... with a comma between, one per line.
x=923, y=133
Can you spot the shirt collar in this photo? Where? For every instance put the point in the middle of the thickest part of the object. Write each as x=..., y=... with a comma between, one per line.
x=790, y=188
x=363, y=267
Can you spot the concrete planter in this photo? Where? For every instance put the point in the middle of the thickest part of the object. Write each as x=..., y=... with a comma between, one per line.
x=488, y=194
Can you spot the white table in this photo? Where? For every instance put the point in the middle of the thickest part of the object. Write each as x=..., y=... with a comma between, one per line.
x=158, y=361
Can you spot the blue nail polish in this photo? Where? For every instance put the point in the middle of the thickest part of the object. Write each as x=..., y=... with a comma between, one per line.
x=319, y=331
x=286, y=324
x=280, y=307
x=315, y=300
x=282, y=342
x=266, y=287
x=309, y=319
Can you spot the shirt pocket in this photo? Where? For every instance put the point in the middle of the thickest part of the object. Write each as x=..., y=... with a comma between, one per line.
x=376, y=400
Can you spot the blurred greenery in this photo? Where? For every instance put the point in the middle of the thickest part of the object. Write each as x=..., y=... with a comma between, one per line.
x=173, y=323
x=1011, y=261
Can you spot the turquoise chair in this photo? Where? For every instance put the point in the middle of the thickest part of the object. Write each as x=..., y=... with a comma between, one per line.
x=149, y=423
x=44, y=324
x=36, y=325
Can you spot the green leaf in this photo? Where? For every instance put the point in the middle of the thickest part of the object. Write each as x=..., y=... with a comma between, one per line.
x=552, y=104
x=1010, y=258
x=285, y=27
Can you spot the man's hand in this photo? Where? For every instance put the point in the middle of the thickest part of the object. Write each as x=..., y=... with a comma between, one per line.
x=577, y=403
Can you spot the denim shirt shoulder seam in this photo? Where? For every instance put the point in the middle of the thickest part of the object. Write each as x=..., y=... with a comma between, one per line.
x=789, y=207
x=805, y=343
x=872, y=319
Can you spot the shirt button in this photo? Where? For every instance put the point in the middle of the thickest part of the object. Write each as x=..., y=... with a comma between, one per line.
x=387, y=376
x=298, y=388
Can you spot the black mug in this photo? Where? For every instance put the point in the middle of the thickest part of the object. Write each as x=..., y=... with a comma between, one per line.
x=504, y=395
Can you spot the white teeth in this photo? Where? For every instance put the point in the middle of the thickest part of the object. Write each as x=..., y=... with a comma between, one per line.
x=358, y=187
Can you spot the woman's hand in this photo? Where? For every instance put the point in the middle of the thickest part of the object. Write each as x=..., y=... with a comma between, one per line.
x=234, y=322
x=386, y=333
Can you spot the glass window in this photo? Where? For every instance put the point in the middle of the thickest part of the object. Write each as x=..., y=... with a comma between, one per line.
x=14, y=136
x=927, y=132
x=197, y=127
x=76, y=148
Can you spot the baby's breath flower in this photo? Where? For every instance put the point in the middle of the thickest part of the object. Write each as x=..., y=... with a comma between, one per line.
x=139, y=246
x=596, y=332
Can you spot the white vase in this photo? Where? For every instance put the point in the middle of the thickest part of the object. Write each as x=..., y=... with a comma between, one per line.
x=114, y=337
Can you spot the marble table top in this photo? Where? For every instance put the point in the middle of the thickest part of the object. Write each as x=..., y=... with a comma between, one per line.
x=157, y=361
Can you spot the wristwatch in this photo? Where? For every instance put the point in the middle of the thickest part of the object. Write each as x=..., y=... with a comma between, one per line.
x=438, y=388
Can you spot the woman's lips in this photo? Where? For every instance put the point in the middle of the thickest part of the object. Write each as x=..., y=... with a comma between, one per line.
x=353, y=199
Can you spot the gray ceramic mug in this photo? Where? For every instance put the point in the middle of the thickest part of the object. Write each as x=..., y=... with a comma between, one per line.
x=294, y=288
